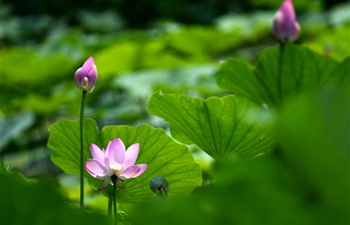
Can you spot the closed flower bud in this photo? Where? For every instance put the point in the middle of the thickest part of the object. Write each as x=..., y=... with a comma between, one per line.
x=285, y=26
x=159, y=185
x=86, y=76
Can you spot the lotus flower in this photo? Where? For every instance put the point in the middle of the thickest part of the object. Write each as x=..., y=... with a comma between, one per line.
x=285, y=26
x=114, y=161
x=86, y=76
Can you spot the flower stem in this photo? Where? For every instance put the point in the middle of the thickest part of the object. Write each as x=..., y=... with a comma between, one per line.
x=1, y=162
x=280, y=65
x=163, y=193
x=110, y=202
x=82, y=150
x=114, y=180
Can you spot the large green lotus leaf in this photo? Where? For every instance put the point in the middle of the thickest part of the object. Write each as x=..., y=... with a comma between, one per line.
x=163, y=155
x=64, y=140
x=236, y=75
x=301, y=71
x=65, y=143
x=219, y=126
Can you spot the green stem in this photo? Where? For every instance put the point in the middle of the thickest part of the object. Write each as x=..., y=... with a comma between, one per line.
x=114, y=180
x=1, y=162
x=110, y=202
x=82, y=150
x=163, y=193
x=280, y=66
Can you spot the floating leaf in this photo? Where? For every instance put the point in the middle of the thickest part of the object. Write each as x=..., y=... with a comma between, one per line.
x=164, y=156
x=302, y=71
x=219, y=126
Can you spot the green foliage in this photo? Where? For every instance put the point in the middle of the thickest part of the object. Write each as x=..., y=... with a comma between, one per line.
x=65, y=143
x=220, y=126
x=258, y=191
x=319, y=154
x=303, y=180
x=164, y=157
x=38, y=202
x=140, y=85
x=115, y=59
x=22, y=71
x=11, y=127
x=306, y=181
x=34, y=68
x=333, y=41
x=340, y=75
x=299, y=5
x=273, y=80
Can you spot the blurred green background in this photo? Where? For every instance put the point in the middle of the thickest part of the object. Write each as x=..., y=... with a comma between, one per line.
x=139, y=47
x=176, y=46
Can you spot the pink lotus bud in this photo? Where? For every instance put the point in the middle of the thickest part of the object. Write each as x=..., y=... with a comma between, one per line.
x=86, y=76
x=285, y=26
x=160, y=186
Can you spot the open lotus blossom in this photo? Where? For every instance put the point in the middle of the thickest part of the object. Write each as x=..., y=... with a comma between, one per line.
x=86, y=76
x=285, y=26
x=114, y=161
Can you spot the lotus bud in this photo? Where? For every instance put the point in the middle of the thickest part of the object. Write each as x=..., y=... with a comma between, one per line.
x=160, y=186
x=285, y=26
x=86, y=76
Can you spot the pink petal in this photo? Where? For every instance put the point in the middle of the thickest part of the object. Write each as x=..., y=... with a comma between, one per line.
x=131, y=155
x=92, y=73
x=78, y=76
x=87, y=65
x=287, y=10
x=115, y=154
x=295, y=32
x=96, y=153
x=133, y=171
x=104, y=184
x=96, y=169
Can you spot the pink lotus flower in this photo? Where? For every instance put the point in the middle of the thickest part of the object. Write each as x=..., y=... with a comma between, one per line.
x=285, y=26
x=115, y=160
x=86, y=76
